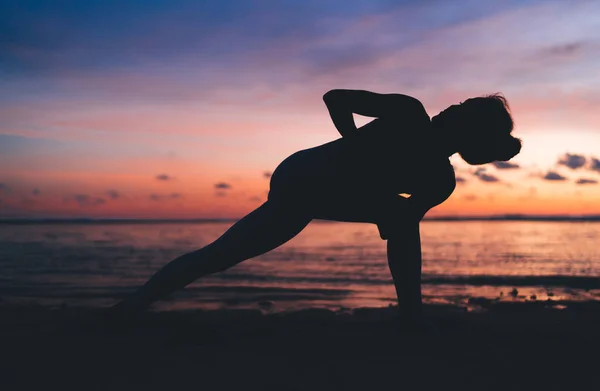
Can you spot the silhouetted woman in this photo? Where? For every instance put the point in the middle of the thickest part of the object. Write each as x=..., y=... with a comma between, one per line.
x=359, y=178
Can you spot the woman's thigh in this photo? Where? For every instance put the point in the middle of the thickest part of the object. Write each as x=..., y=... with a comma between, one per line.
x=375, y=209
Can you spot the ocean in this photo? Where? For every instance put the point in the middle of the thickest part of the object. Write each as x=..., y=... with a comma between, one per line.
x=329, y=265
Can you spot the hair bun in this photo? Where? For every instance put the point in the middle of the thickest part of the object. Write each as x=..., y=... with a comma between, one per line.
x=508, y=148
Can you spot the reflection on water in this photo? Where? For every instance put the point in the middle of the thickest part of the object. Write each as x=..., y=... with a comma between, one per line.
x=328, y=265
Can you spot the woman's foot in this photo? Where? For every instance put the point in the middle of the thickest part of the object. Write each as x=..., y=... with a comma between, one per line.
x=123, y=313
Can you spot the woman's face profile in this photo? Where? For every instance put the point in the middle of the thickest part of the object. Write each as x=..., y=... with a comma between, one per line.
x=475, y=156
x=479, y=148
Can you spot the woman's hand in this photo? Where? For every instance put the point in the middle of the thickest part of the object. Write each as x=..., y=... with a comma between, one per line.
x=404, y=261
x=343, y=103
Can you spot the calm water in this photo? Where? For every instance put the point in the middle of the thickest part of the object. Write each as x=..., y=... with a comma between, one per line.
x=329, y=265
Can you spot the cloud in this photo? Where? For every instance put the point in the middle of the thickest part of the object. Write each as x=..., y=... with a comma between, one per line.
x=480, y=173
x=267, y=174
x=554, y=176
x=595, y=166
x=113, y=194
x=470, y=197
x=84, y=200
x=164, y=177
x=221, y=189
x=460, y=179
x=165, y=197
x=72, y=37
x=572, y=161
x=87, y=200
x=35, y=192
x=4, y=188
x=505, y=165
x=561, y=50
x=488, y=178
x=255, y=199
x=222, y=186
x=586, y=181
x=212, y=35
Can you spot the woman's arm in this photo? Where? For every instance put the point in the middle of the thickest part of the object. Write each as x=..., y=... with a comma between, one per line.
x=404, y=243
x=401, y=231
x=342, y=103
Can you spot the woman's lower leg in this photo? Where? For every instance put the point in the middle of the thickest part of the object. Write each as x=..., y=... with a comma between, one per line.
x=262, y=230
x=174, y=276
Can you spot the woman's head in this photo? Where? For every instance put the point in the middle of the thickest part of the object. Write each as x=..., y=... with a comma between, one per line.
x=481, y=129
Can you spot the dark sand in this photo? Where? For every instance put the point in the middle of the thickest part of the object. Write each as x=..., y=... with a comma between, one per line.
x=508, y=346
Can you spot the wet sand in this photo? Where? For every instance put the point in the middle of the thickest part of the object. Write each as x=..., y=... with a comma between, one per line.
x=501, y=346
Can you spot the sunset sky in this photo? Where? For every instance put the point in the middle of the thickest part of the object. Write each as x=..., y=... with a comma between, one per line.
x=180, y=109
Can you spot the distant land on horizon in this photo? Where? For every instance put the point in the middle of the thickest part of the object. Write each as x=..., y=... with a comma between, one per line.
x=87, y=220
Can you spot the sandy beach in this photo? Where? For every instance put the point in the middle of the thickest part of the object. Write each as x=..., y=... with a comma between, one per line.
x=497, y=346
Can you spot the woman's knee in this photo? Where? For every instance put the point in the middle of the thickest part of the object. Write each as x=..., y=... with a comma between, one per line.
x=398, y=220
x=209, y=260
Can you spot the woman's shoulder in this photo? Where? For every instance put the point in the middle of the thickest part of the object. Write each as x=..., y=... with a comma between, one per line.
x=411, y=111
x=418, y=111
x=409, y=101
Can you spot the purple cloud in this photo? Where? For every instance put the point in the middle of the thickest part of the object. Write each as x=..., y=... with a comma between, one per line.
x=563, y=49
x=165, y=197
x=595, y=164
x=35, y=192
x=488, y=178
x=480, y=173
x=586, y=181
x=222, y=186
x=554, y=176
x=572, y=161
x=113, y=194
x=164, y=177
x=505, y=165
x=84, y=200
x=267, y=174
x=460, y=179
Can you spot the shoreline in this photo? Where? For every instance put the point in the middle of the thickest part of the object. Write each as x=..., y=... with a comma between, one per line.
x=496, y=346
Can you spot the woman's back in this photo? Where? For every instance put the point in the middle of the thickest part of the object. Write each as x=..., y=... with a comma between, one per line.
x=385, y=156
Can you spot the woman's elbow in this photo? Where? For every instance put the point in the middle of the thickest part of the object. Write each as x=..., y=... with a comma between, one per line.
x=331, y=96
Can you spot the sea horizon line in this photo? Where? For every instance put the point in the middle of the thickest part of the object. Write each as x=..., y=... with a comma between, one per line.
x=119, y=220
